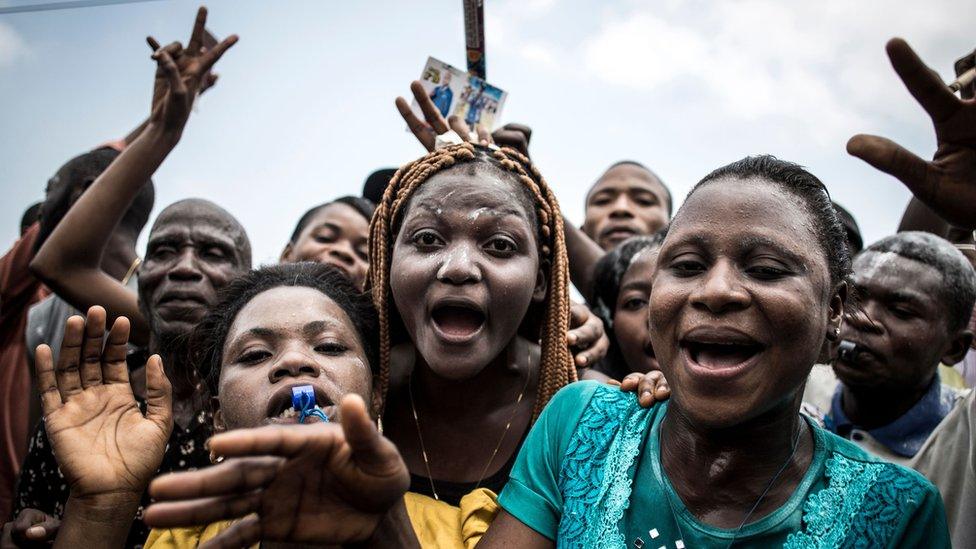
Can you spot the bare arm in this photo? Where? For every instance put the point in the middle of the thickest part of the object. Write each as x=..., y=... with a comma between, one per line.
x=583, y=255
x=70, y=260
x=508, y=531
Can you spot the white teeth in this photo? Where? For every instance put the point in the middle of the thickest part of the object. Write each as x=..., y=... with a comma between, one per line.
x=289, y=412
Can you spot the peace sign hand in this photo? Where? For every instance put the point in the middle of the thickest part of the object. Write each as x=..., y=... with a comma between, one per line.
x=947, y=184
x=105, y=448
x=182, y=74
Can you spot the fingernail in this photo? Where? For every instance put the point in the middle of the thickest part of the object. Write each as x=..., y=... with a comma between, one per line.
x=582, y=360
x=36, y=532
x=572, y=339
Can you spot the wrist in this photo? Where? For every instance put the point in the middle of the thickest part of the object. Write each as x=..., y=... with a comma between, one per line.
x=107, y=508
x=393, y=530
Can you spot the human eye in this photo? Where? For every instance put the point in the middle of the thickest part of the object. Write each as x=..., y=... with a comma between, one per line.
x=634, y=303
x=162, y=251
x=253, y=356
x=331, y=348
x=215, y=253
x=767, y=272
x=901, y=311
x=687, y=266
x=427, y=240
x=501, y=246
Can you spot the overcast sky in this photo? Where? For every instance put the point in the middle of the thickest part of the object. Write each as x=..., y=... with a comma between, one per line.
x=304, y=107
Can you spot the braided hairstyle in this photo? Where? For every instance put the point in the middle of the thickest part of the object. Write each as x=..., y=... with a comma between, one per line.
x=557, y=368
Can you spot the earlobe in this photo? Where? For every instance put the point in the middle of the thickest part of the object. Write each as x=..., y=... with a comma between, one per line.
x=541, y=283
x=218, y=418
x=376, y=402
x=958, y=348
x=286, y=254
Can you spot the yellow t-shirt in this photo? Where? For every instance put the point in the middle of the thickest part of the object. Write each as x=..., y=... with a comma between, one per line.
x=441, y=525
x=437, y=524
x=182, y=538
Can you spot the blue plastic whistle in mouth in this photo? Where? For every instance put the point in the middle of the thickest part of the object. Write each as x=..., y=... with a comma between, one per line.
x=846, y=350
x=303, y=400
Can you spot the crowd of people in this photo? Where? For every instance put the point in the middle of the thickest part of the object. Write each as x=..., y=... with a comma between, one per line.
x=744, y=371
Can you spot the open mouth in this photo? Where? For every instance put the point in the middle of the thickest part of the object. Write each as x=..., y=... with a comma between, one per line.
x=721, y=354
x=458, y=321
x=280, y=409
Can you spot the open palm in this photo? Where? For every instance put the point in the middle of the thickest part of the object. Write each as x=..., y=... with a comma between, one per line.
x=103, y=443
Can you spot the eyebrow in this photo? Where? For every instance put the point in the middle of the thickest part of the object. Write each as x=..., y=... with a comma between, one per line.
x=635, y=285
x=313, y=328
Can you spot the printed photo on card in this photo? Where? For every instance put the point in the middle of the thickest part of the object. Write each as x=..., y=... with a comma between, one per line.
x=455, y=92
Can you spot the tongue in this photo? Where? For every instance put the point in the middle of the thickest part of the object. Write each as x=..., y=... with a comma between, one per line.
x=723, y=356
x=458, y=321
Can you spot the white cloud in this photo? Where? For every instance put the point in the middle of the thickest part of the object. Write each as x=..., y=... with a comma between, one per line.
x=12, y=46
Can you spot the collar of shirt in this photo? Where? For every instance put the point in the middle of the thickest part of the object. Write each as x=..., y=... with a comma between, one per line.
x=905, y=435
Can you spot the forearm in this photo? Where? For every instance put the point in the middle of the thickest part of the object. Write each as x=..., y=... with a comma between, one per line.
x=96, y=524
x=136, y=132
x=919, y=217
x=583, y=255
x=78, y=241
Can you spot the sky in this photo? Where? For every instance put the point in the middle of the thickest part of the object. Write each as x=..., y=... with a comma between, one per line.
x=304, y=111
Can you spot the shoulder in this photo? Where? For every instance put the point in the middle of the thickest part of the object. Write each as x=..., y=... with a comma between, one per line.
x=869, y=500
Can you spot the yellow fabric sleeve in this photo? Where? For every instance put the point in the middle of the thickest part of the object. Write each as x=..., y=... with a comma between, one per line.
x=438, y=524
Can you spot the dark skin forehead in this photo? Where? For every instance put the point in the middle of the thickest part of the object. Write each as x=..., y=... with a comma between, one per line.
x=629, y=177
x=204, y=220
x=482, y=194
x=892, y=277
x=771, y=217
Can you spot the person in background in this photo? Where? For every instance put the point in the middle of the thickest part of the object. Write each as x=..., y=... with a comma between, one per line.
x=854, y=240
x=30, y=217
x=623, y=284
x=335, y=233
x=376, y=184
x=442, y=94
x=915, y=296
x=946, y=186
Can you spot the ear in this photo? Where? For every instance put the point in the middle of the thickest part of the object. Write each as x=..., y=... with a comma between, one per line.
x=541, y=282
x=958, y=347
x=376, y=399
x=286, y=254
x=838, y=299
x=218, y=418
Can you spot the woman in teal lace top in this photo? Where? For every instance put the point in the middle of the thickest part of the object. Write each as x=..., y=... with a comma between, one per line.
x=750, y=287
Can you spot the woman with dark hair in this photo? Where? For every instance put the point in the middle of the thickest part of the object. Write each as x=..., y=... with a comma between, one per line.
x=751, y=281
x=335, y=233
x=621, y=290
x=277, y=330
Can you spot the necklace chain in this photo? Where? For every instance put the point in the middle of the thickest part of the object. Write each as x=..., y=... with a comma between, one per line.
x=765, y=492
x=484, y=471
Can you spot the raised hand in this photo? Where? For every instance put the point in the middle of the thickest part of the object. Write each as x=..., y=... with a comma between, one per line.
x=105, y=447
x=183, y=73
x=30, y=528
x=321, y=483
x=434, y=124
x=947, y=184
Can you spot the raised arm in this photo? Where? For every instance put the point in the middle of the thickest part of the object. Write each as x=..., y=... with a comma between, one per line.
x=69, y=261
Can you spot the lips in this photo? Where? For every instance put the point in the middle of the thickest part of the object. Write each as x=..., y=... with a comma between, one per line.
x=181, y=299
x=618, y=232
x=457, y=320
x=281, y=412
x=720, y=352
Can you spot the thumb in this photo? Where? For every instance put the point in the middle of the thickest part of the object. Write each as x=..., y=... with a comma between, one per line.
x=893, y=159
x=159, y=395
x=370, y=450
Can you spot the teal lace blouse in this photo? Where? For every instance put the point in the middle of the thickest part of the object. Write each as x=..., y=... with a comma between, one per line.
x=574, y=477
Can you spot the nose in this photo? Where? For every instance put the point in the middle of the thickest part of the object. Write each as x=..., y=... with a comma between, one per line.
x=343, y=253
x=620, y=207
x=862, y=320
x=459, y=266
x=186, y=268
x=720, y=290
x=293, y=364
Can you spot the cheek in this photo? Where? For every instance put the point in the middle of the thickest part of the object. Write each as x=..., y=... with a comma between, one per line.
x=630, y=328
x=240, y=401
x=354, y=377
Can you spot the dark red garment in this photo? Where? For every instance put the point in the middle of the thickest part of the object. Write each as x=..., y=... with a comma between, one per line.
x=19, y=289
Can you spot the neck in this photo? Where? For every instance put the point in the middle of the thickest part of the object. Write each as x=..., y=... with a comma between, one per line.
x=870, y=408
x=734, y=465
x=118, y=256
x=497, y=385
x=176, y=366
